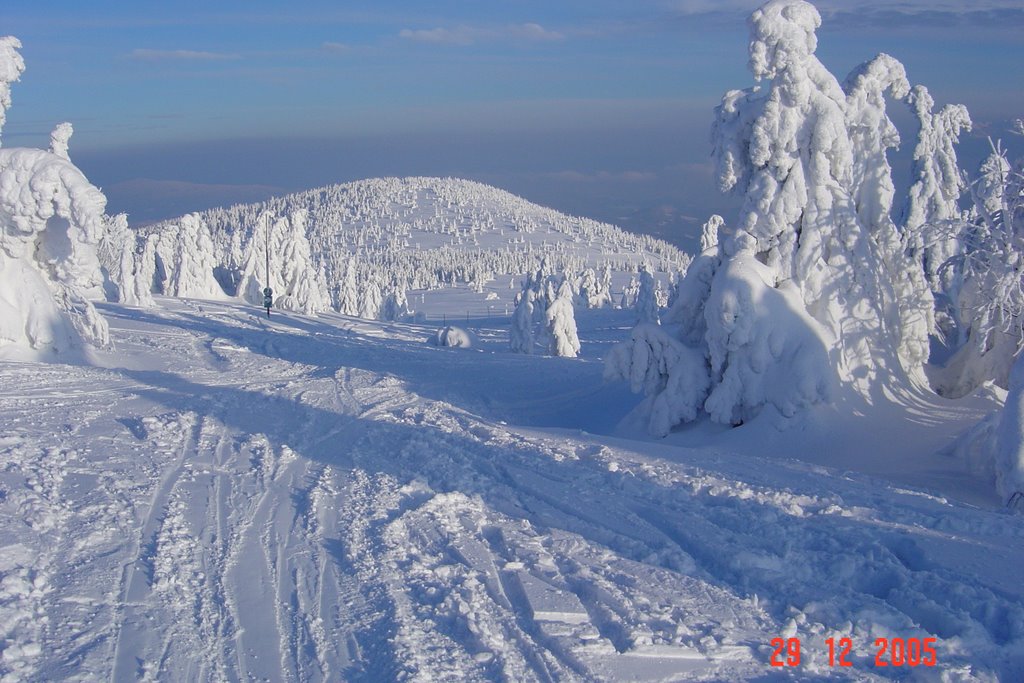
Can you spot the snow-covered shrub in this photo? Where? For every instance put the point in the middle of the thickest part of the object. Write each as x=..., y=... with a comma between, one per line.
x=455, y=337
x=52, y=219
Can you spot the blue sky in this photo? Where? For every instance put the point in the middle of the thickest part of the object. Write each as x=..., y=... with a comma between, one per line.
x=591, y=106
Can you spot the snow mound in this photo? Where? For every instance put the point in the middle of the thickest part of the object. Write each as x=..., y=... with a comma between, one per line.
x=450, y=336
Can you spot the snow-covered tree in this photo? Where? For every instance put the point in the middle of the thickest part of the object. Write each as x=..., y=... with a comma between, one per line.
x=11, y=68
x=709, y=232
x=630, y=293
x=522, y=338
x=348, y=294
x=371, y=300
x=51, y=218
x=191, y=261
x=672, y=375
x=933, y=201
x=984, y=281
x=59, y=138
x=396, y=303
x=815, y=261
x=561, y=324
x=646, y=297
x=121, y=254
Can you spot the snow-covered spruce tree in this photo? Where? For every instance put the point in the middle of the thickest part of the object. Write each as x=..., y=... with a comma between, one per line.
x=121, y=251
x=521, y=336
x=671, y=374
x=646, y=297
x=348, y=293
x=371, y=300
x=561, y=324
x=396, y=303
x=189, y=258
x=910, y=316
x=51, y=219
x=933, y=204
x=630, y=293
x=985, y=282
x=11, y=68
x=297, y=284
x=813, y=287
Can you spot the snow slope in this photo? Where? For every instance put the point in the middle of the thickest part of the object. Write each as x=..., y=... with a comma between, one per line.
x=229, y=497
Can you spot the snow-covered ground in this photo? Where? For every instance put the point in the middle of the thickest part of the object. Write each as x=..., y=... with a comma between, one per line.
x=230, y=497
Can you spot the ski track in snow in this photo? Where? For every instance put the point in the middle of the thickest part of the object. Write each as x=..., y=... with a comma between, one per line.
x=235, y=504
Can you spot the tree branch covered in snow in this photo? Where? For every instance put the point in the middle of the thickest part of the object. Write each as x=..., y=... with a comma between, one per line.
x=11, y=67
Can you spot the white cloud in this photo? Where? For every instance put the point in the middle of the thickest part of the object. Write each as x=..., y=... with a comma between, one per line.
x=469, y=35
x=144, y=55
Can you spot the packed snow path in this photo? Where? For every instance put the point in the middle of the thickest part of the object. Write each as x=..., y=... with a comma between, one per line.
x=315, y=500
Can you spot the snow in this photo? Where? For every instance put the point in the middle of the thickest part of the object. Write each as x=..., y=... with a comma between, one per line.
x=231, y=497
x=191, y=490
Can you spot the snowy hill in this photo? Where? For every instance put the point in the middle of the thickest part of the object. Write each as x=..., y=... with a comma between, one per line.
x=348, y=247
x=227, y=497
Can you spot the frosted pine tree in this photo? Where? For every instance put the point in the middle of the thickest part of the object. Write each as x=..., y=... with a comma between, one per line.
x=191, y=261
x=630, y=293
x=932, y=207
x=302, y=287
x=646, y=297
x=348, y=293
x=987, y=284
x=371, y=300
x=51, y=218
x=561, y=324
x=120, y=251
x=11, y=68
x=907, y=305
x=814, y=261
x=522, y=338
